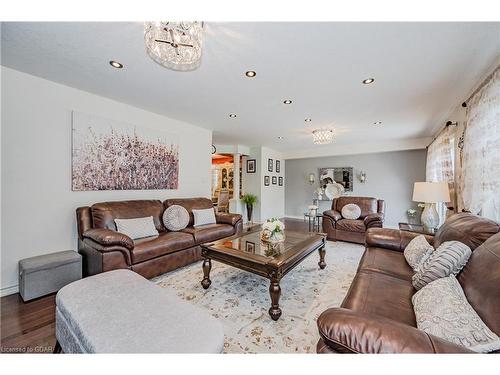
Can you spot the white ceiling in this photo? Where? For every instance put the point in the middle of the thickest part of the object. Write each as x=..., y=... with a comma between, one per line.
x=421, y=70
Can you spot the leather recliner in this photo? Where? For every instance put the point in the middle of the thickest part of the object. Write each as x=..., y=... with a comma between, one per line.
x=377, y=315
x=104, y=249
x=338, y=228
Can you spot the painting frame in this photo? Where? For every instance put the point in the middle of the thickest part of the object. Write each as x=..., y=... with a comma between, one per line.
x=270, y=164
x=280, y=181
x=250, y=247
x=267, y=181
x=278, y=166
x=251, y=165
x=110, y=154
x=275, y=180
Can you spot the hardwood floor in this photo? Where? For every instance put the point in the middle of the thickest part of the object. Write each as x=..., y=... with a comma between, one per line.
x=27, y=327
x=30, y=327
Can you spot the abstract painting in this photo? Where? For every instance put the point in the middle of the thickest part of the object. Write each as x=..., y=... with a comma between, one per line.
x=113, y=155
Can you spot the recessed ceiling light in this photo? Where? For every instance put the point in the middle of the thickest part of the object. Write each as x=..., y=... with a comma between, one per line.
x=280, y=138
x=251, y=73
x=307, y=120
x=368, y=81
x=288, y=101
x=377, y=123
x=232, y=115
x=116, y=64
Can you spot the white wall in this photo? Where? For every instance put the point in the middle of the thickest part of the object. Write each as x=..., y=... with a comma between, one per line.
x=389, y=176
x=38, y=206
x=271, y=199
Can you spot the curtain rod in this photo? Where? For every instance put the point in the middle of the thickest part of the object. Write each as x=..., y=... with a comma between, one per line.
x=481, y=85
x=464, y=104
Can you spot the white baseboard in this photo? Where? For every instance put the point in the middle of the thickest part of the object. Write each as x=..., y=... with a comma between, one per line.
x=9, y=290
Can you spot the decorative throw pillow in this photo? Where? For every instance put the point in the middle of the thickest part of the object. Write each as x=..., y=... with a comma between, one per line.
x=204, y=217
x=448, y=259
x=137, y=228
x=442, y=310
x=351, y=211
x=175, y=218
x=417, y=251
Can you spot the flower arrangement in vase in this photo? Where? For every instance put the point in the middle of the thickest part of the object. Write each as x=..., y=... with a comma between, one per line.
x=273, y=230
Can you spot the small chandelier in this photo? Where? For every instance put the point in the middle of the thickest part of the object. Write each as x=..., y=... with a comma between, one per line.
x=174, y=45
x=322, y=136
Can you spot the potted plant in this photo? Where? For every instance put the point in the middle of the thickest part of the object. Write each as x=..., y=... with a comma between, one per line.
x=249, y=200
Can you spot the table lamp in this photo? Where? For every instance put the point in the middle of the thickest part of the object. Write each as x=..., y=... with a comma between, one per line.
x=430, y=193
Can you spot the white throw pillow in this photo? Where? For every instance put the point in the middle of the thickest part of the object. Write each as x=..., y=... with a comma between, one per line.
x=137, y=228
x=417, y=251
x=442, y=310
x=175, y=218
x=204, y=217
x=351, y=211
x=448, y=259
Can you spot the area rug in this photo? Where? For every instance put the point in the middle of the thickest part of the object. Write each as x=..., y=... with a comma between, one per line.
x=240, y=300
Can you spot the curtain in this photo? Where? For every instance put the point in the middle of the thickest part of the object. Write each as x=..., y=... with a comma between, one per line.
x=440, y=167
x=480, y=178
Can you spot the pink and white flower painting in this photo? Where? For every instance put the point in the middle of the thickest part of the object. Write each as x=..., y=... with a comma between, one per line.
x=112, y=155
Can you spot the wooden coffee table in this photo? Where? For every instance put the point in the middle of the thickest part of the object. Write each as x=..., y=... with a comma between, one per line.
x=273, y=261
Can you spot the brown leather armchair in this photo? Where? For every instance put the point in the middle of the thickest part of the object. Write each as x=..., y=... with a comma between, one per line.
x=104, y=249
x=377, y=315
x=338, y=228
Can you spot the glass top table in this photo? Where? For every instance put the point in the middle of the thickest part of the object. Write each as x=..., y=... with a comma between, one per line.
x=246, y=251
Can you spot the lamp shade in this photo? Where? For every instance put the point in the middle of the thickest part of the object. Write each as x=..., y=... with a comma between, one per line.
x=431, y=192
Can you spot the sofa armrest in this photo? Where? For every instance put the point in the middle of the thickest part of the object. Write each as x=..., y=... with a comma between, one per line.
x=375, y=220
x=231, y=219
x=392, y=239
x=349, y=331
x=335, y=215
x=107, y=237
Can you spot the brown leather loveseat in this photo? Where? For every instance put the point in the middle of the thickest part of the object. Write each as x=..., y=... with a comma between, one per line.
x=377, y=314
x=338, y=228
x=104, y=249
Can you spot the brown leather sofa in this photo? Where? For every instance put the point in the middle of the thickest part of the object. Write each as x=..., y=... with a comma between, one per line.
x=338, y=228
x=377, y=314
x=104, y=249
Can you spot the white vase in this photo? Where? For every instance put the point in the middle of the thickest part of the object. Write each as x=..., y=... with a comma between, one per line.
x=430, y=217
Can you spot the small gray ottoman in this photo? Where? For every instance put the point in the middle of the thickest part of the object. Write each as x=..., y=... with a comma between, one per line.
x=45, y=274
x=122, y=312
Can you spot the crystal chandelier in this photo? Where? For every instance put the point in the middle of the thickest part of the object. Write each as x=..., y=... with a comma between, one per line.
x=174, y=45
x=322, y=136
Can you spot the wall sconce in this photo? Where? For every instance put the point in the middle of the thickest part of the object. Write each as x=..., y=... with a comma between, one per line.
x=312, y=178
x=362, y=177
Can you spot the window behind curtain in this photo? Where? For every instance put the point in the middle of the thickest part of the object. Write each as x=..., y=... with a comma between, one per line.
x=480, y=179
x=440, y=166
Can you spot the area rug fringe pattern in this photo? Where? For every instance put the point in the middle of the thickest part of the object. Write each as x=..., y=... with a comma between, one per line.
x=240, y=300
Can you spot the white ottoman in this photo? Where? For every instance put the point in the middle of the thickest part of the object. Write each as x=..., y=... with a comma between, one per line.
x=122, y=312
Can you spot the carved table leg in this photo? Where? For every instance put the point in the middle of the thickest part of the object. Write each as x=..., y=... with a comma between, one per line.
x=321, y=262
x=207, y=266
x=275, y=292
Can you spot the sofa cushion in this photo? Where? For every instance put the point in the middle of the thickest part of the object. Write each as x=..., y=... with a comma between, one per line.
x=417, y=251
x=175, y=218
x=442, y=310
x=376, y=293
x=105, y=213
x=467, y=228
x=210, y=232
x=189, y=204
x=351, y=225
x=385, y=261
x=480, y=280
x=165, y=243
x=448, y=259
x=140, y=227
x=351, y=211
x=368, y=205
